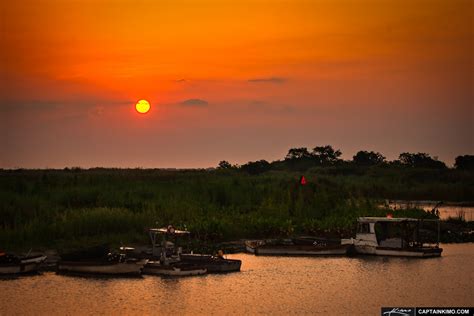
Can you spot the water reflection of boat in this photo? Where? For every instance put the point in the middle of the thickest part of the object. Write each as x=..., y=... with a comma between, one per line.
x=11, y=264
x=290, y=248
x=405, y=237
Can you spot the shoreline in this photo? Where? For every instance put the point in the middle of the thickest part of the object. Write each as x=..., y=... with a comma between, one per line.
x=233, y=247
x=451, y=233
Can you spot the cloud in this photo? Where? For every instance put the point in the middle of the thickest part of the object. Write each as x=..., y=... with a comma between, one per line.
x=194, y=102
x=268, y=80
x=181, y=80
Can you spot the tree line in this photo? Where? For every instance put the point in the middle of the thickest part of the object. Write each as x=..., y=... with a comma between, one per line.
x=302, y=158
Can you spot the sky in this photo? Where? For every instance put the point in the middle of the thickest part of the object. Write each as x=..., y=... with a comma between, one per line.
x=232, y=80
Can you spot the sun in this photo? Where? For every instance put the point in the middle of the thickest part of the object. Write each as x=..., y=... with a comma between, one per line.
x=142, y=106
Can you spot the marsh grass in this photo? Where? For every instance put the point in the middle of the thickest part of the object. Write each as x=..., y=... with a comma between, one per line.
x=459, y=218
x=69, y=208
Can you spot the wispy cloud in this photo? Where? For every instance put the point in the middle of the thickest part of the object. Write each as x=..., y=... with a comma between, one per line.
x=194, y=102
x=268, y=80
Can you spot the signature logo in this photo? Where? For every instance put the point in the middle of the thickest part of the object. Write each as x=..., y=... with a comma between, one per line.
x=397, y=312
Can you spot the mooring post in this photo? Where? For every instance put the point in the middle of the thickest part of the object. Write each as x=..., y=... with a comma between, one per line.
x=439, y=231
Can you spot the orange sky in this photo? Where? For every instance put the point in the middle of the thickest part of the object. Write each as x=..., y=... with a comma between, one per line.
x=389, y=76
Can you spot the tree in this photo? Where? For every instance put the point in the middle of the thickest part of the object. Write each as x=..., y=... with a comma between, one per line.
x=326, y=155
x=465, y=162
x=420, y=160
x=297, y=153
x=256, y=167
x=224, y=165
x=366, y=158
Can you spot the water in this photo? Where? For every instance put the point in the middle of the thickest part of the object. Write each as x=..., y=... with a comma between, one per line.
x=266, y=285
x=445, y=210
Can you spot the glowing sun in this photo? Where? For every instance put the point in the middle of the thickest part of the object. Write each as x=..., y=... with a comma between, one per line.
x=142, y=106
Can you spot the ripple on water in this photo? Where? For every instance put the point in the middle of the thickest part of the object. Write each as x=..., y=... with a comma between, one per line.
x=270, y=285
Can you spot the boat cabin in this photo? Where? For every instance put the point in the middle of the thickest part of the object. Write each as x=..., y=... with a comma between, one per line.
x=397, y=236
x=164, y=248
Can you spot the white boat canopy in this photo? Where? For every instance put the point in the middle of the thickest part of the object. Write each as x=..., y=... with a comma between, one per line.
x=168, y=231
x=165, y=232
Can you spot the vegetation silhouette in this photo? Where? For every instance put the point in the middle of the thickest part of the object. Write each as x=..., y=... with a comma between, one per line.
x=365, y=158
x=301, y=159
x=465, y=162
x=72, y=207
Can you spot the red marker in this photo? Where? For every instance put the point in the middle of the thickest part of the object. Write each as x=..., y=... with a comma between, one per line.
x=302, y=180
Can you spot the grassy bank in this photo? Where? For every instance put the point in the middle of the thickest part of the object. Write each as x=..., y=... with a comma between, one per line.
x=67, y=208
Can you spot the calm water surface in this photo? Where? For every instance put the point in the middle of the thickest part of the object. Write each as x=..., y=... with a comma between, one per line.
x=266, y=285
x=445, y=210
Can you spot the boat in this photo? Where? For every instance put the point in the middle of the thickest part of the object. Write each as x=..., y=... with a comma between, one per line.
x=312, y=240
x=128, y=267
x=251, y=245
x=172, y=261
x=11, y=264
x=403, y=237
x=169, y=256
x=173, y=269
x=93, y=261
x=289, y=248
x=213, y=264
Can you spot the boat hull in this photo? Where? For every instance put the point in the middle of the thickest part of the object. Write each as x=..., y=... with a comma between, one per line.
x=300, y=250
x=251, y=245
x=225, y=266
x=113, y=268
x=20, y=268
x=399, y=252
x=156, y=268
x=213, y=264
x=26, y=265
x=418, y=253
x=249, y=249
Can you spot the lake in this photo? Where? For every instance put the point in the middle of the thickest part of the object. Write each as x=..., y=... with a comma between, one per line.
x=266, y=285
x=445, y=210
